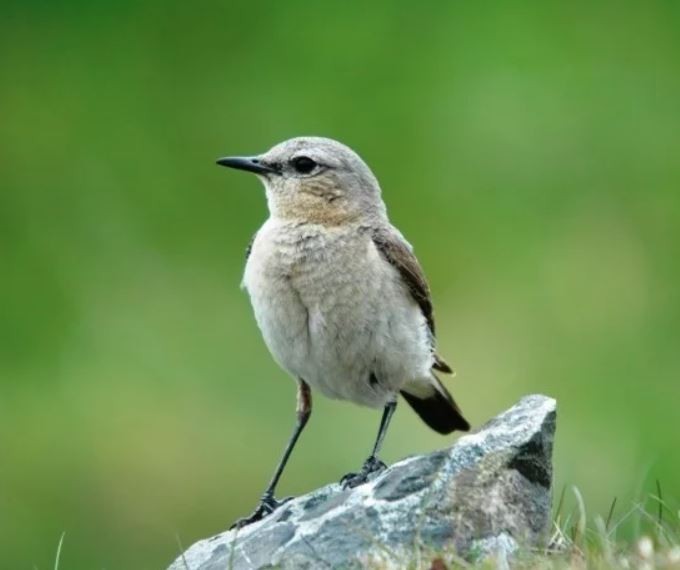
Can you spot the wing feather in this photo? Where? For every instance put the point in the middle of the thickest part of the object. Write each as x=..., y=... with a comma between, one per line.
x=399, y=253
x=249, y=247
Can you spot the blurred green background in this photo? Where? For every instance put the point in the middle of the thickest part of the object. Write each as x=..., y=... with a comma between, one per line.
x=530, y=152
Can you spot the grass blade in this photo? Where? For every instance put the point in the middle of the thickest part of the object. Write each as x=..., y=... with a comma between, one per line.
x=579, y=531
x=181, y=551
x=610, y=515
x=660, y=497
x=57, y=557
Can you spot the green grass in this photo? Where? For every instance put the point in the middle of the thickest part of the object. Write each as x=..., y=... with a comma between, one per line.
x=57, y=556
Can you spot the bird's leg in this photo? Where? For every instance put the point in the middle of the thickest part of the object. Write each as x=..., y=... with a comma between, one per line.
x=268, y=504
x=372, y=464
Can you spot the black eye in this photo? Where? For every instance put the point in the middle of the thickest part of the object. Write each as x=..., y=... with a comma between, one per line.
x=303, y=164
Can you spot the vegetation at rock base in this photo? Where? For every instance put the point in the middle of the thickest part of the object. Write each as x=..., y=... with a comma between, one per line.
x=579, y=541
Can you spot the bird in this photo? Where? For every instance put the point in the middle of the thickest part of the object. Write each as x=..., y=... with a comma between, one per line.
x=339, y=296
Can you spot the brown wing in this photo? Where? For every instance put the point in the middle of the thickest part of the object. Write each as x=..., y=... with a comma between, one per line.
x=398, y=253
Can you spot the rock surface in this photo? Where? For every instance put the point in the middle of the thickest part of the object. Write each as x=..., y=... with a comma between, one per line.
x=486, y=495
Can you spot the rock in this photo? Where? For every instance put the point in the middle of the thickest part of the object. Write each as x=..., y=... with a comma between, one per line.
x=485, y=496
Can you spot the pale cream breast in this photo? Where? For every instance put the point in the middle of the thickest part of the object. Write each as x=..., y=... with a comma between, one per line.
x=334, y=313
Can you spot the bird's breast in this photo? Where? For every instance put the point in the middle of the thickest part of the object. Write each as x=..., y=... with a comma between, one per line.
x=332, y=311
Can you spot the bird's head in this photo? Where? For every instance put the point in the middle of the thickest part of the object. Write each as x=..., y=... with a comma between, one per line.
x=314, y=179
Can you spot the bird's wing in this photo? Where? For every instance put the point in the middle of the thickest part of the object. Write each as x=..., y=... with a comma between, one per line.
x=250, y=245
x=399, y=253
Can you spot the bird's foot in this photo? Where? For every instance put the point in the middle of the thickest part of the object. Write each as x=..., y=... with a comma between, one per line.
x=371, y=466
x=268, y=504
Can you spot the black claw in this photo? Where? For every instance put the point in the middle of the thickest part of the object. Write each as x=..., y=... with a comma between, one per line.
x=352, y=480
x=374, y=465
x=267, y=506
x=370, y=467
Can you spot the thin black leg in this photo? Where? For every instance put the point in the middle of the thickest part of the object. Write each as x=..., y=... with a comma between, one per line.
x=388, y=412
x=372, y=464
x=268, y=503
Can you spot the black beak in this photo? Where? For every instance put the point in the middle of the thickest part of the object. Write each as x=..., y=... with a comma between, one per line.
x=249, y=163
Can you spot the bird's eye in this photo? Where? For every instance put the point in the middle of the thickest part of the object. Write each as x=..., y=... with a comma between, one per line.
x=303, y=164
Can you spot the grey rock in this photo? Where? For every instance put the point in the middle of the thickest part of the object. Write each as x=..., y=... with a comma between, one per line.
x=485, y=496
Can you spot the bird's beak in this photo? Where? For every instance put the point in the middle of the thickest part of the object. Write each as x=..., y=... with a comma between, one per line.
x=249, y=163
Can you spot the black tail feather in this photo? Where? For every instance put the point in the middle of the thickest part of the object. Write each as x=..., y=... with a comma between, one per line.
x=438, y=411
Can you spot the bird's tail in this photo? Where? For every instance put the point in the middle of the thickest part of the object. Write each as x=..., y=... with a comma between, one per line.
x=435, y=406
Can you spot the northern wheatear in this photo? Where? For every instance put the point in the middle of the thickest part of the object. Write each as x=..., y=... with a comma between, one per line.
x=338, y=294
